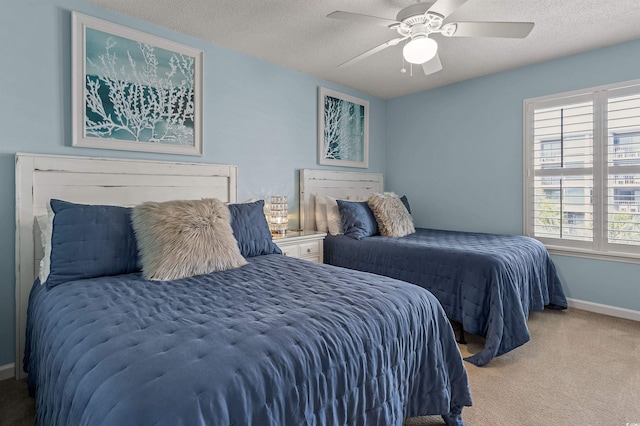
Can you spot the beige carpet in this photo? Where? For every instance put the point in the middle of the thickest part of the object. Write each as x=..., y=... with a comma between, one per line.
x=579, y=369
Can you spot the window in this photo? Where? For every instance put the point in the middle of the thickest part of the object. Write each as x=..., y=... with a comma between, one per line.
x=582, y=171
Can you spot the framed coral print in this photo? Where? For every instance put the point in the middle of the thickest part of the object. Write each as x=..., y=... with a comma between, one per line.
x=343, y=129
x=134, y=91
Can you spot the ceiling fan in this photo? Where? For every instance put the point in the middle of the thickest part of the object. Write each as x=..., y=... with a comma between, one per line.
x=418, y=22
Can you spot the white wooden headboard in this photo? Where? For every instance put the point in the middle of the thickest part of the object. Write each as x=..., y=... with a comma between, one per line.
x=98, y=181
x=334, y=184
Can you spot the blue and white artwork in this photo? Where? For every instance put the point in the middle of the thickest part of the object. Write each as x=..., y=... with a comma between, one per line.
x=344, y=133
x=136, y=92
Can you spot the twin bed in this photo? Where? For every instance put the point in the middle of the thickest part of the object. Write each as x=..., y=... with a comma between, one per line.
x=276, y=341
x=487, y=283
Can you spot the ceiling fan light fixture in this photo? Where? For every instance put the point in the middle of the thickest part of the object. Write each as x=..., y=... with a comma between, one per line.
x=420, y=50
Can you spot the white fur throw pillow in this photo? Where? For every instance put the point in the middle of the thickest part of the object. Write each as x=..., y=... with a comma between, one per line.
x=178, y=239
x=392, y=216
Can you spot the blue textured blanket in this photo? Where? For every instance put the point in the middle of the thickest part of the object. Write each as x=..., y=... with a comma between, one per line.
x=279, y=341
x=488, y=283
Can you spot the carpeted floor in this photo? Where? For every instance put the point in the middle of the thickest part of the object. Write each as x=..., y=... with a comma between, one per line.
x=17, y=408
x=579, y=368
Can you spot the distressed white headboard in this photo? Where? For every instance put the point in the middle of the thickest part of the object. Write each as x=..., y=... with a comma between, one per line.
x=334, y=184
x=98, y=181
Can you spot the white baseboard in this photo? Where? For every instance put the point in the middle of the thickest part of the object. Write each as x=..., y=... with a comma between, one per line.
x=604, y=309
x=7, y=371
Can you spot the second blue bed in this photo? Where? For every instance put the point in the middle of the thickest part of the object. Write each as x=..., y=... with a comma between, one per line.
x=489, y=283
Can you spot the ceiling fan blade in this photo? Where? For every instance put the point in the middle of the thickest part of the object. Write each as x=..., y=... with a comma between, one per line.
x=432, y=66
x=365, y=19
x=370, y=52
x=490, y=29
x=445, y=8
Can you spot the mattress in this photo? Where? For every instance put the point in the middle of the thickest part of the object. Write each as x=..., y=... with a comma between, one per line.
x=279, y=341
x=489, y=283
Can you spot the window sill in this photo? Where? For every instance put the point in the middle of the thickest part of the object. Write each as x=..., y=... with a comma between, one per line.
x=590, y=254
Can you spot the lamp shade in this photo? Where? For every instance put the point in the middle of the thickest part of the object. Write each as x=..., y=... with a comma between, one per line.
x=420, y=50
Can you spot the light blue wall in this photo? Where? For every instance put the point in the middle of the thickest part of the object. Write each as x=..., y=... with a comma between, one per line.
x=456, y=152
x=258, y=116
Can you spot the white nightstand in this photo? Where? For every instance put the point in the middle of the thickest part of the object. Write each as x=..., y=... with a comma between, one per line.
x=306, y=245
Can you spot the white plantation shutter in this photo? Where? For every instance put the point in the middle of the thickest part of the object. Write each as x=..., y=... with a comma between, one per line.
x=582, y=171
x=563, y=169
x=623, y=166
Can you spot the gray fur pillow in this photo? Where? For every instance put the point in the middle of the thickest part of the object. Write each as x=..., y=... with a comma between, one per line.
x=178, y=239
x=392, y=216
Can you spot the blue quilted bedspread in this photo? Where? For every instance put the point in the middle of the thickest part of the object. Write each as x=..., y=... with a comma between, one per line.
x=279, y=341
x=488, y=283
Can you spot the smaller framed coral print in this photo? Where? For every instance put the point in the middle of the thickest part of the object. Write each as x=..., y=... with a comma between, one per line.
x=343, y=129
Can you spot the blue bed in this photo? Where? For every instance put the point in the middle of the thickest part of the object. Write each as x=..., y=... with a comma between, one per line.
x=279, y=341
x=488, y=283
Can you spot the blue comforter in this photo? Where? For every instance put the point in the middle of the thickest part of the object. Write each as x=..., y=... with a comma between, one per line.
x=488, y=283
x=279, y=341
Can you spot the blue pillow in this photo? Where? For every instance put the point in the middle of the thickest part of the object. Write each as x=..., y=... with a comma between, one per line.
x=358, y=220
x=251, y=229
x=89, y=241
x=405, y=201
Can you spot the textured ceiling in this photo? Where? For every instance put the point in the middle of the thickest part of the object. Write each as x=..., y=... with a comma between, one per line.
x=298, y=35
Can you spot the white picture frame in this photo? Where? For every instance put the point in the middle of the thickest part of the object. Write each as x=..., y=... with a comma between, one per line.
x=134, y=91
x=343, y=129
